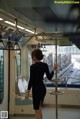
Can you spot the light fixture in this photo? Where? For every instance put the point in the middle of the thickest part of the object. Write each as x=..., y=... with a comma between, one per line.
x=1, y=19
x=20, y=27
x=29, y=31
x=16, y=45
x=10, y=23
x=2, y=46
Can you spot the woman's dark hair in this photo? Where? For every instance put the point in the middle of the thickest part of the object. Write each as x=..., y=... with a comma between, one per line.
x=37, y=53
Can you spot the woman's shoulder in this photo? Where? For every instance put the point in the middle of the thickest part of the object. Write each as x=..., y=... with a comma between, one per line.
x=32, y=65
x=39, y=63
x=44, y=64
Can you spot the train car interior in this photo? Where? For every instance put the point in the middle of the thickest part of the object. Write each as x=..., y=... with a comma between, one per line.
x=54, y=27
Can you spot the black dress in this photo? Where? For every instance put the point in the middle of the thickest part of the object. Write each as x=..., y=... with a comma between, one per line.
x=37, y=71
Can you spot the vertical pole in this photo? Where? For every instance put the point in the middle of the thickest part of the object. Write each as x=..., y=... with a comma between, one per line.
x=56, y=96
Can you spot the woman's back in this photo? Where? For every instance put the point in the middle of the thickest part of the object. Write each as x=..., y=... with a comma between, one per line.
x=37, y=71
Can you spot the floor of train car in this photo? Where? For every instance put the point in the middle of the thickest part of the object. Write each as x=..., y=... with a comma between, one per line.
x=49, y=113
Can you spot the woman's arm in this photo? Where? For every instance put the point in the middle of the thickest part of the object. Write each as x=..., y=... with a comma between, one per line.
x=30, y=80
x=29, y=85
x=48, y=74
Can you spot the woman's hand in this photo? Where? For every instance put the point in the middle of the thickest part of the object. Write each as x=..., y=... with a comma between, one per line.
x=55, y=67
x=27, y=94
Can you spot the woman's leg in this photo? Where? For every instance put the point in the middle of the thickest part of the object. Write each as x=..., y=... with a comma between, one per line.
x=38, y=113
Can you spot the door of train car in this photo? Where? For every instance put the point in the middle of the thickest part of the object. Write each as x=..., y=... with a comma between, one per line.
x=18, y=83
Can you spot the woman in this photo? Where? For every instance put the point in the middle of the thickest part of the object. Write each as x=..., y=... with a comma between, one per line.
x=37, y=70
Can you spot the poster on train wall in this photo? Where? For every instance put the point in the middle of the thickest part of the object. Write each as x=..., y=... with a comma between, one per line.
x=64, y=42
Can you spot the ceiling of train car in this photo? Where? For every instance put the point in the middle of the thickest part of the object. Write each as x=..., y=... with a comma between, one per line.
x=44, y=15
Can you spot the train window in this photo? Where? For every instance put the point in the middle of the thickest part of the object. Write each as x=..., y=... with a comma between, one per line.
x=1, y=76
x=68, y=60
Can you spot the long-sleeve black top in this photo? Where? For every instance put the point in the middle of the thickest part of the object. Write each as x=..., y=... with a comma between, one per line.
x=37, y=71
